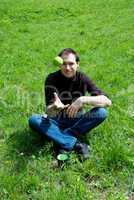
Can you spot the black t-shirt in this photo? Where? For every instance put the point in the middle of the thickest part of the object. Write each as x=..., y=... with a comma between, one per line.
x=69, y=89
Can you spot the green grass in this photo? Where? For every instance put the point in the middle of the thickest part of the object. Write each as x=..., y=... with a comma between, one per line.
x=32, y=32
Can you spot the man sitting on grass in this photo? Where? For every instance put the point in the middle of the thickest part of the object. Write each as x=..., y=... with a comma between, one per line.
x=65, y=91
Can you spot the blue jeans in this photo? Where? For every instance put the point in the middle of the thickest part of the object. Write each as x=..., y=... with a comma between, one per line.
x=65, y=131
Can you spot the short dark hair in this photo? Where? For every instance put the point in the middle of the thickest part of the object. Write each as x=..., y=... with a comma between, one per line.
x=68, y=51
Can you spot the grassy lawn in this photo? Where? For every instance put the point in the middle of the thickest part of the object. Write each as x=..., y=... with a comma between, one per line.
x=32, y=32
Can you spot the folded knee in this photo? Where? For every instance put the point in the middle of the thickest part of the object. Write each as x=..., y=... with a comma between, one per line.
x=100, y=113
x=33, y=120
x=103, y=113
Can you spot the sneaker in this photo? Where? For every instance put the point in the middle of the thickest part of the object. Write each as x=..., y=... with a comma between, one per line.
x=83, y=149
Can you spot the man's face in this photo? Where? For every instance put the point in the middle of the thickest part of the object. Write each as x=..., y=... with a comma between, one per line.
x=69, y=66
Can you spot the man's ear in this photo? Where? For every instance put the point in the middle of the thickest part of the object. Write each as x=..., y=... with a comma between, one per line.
x=78, y=64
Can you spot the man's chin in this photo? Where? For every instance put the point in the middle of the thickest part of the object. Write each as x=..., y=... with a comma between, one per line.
x=69, y=75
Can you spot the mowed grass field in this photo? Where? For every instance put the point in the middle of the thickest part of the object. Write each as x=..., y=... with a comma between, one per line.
x=32, y=32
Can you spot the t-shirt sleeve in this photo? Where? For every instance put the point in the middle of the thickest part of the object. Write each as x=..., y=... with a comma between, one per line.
x=49, y=90
x=91, y=87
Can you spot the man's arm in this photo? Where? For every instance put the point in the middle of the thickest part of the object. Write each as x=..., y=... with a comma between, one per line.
x=97, y=101
x=56, y=106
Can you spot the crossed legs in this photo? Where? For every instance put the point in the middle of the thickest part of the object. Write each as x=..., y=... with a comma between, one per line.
x=66, y=138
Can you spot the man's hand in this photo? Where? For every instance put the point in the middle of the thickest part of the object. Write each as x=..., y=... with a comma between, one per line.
x=53, y=109
x=58, y=104
x=74, y=108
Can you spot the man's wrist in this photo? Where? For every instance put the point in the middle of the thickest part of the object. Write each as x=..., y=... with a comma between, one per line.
x=83, y=99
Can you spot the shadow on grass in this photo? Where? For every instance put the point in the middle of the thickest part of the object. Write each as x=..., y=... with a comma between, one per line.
x=25, y=145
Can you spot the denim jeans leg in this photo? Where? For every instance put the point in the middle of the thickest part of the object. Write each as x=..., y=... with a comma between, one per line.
x=50, y=128
x=88, y=121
